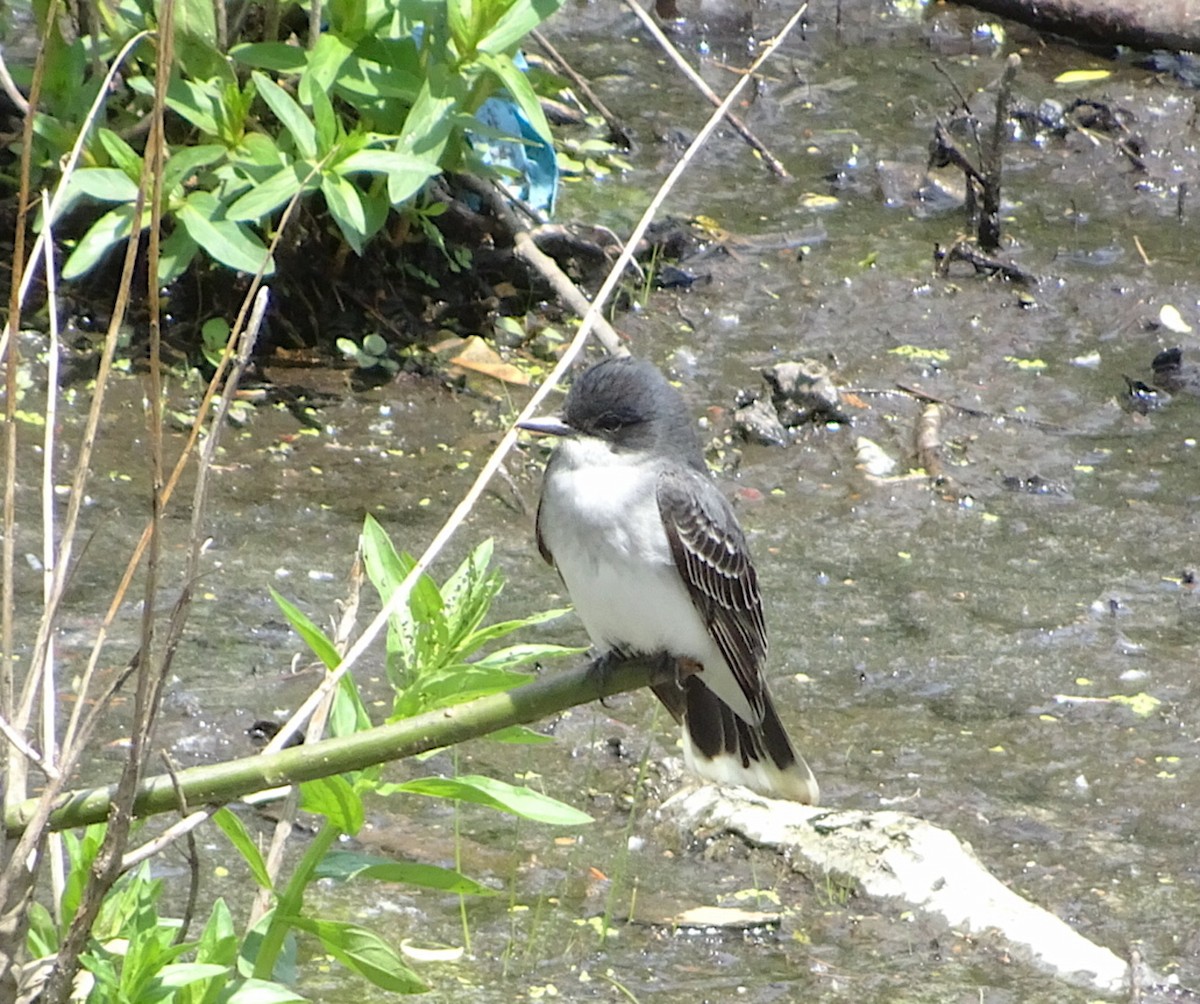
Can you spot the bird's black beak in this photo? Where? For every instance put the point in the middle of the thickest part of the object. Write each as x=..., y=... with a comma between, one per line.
x=550, y=426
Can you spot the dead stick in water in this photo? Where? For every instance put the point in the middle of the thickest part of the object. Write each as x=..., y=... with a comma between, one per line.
x=771, y=160
x=929, y=441
x=993, y=160
x=532, y=255
x=616, y=129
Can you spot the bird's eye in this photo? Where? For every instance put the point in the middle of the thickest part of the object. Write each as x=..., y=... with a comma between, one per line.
x=609, y=423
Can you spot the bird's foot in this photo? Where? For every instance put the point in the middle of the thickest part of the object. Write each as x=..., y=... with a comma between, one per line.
x=605, y=664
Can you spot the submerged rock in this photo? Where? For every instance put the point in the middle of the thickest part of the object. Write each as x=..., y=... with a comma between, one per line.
x=757, y=422
x=804, y=391
x=1174, y=375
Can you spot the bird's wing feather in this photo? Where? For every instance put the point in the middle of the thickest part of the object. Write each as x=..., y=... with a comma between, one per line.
x=542, y=546
x=710, y=552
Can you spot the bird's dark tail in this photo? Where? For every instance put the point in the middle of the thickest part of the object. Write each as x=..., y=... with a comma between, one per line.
x=723, y=748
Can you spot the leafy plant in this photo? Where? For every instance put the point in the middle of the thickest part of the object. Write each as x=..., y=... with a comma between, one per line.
x=373, y=353
x=382, y=100
x=433, y=642
x=135, y=955
x=429, y=646
x=214, y=336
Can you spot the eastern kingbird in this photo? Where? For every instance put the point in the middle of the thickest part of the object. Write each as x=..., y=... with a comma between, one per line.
x=656, y=564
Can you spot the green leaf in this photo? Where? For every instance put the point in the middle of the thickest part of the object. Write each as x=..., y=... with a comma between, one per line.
x=244, y=844
x=346, y=208
x=265, y=198
x=385, y=162
x=290, y=114
x=189, y=99
x=196, y=42
x=348, y=714
x=108, y=184
x=214, y=336
x=258, y=150
x=518, y=800
x=521, y=90
x=313, y=636
x=346, y=865
x=376, y=208
x=254, y=945
x=348, y=17
x=383, y=69
x=387, y=569
x=324, y=63
x=405, y=173
x=277, y=56
x=120, y=152
x=517, y=22
x=42, y=937
x=459, y=24
x=186, y=161
x=493, y=631
x=182, y=974
x=193, y=17
x=326, y=121
x=219, y=940
x=103, y=234
x=65, y=62
x=365, y=953
x=516, y=656
x=175, y=254
x=224, y=240
x=438, y=687
x=430, y=121
x=333, y=798
x=260, y=992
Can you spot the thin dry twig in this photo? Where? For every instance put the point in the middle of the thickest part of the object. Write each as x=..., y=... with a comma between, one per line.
x=965, y=250
x=58, y=873
x=106, y=868
x=699, y=83
x=994, y=416
x=11, y=88
x=400, y=595
x=168, y=836
x=616, y=130
x=193, y=856
x=16, y=871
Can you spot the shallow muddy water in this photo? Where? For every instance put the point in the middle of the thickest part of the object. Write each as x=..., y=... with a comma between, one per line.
x=949, y=651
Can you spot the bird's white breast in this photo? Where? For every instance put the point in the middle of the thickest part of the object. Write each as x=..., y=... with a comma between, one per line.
x=601, y=524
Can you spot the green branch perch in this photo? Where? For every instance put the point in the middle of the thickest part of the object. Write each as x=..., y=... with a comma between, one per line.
x=225, y=782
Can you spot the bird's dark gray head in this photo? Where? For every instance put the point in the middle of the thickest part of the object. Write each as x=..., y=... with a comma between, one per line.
x=629, y=404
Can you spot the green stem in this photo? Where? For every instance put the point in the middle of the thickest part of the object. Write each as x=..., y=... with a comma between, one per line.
x=290, y=903
x=225, y=782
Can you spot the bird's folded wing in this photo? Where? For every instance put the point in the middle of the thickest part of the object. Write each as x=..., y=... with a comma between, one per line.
x=712, y=557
